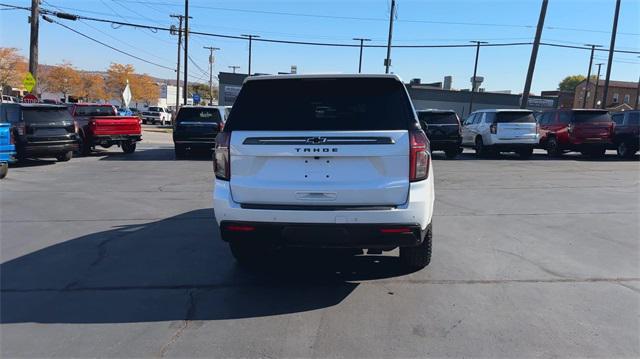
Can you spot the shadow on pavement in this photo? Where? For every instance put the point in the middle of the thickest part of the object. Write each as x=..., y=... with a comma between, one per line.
x=173, y=269
x=506, y=156
x=155, y=154
x=33, y=162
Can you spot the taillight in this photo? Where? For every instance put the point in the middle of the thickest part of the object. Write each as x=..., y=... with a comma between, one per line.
x=21, y=129
x=570, y=128
x=493, y=128
x=419, y=156
x=240, y=228
x=222, y=157
x=12, y=138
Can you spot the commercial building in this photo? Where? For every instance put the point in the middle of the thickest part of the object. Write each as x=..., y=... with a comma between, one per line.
x=621, y=95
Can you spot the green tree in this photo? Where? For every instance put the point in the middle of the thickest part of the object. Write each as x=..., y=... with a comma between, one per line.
x=569, y=83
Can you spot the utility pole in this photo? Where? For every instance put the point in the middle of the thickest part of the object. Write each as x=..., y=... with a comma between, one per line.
x=33, y=44
x=362, y=40
x=610, y=60
x=180, y=18
x=212, y=49
x=250, y=37
x=586, y=88
x=186, y=50
x=534, y=55
x=234, y=68
x=475, y=70
x=637, y=94
x=387, y=61
x=595, y=93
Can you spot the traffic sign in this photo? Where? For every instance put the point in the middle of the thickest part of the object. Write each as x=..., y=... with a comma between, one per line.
x=30, y=98
x=196, y=98
x=29, y=82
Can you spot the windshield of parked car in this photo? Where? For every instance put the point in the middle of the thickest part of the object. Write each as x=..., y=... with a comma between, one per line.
x=591, y=116
x=187, y=114
x=45, y=114
x=515, y=117
x=634, y=118
x=338, y=104
x=438, y=118
x=95, y=111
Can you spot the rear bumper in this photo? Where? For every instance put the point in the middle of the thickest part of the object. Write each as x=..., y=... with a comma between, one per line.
x=445, y=144
x=47, y=148
x=99, y=139
x=7, y=153
x=325, y=235
x=199, y=143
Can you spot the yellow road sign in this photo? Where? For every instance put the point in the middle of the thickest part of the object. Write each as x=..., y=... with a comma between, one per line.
x=29, y=82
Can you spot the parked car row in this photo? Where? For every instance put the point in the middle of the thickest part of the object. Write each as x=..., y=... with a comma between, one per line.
x=196, y=128
x=589, y=131
x=48, y=130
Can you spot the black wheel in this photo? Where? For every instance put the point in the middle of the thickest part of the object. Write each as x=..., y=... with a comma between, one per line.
x=4, y=169
x=594, y=152
x=420, y=256
x=128, y=147
x=553, y=148
x=481, y=150
x=451, y=153
x=65, y=156
x=84, y=147
x=624, y=150
x=247, y=252
x=180, y=151
x=144, y=122
x=525, y=153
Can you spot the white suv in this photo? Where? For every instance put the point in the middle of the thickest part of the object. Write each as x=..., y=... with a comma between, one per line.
x=508, y=130
x=343, y=163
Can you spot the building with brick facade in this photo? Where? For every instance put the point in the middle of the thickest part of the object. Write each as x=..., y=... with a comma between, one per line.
x=620, y=92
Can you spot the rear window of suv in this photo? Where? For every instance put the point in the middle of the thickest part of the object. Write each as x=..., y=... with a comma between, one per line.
x=45, y=114
x=339, y=104
x=591, y=116
x=198, y=115
x=94, y=111
x=515, y=117
x=438, y=118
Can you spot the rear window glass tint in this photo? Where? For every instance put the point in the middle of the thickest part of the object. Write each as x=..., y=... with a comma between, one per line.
x=591, y=116
x=634, y=118
x=515, y=117
x=198, y=115
x=94, y=111
x=321, y=105
x=438, y=118
x=32, y=115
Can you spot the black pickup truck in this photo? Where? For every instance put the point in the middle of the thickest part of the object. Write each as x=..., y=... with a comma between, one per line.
x=626, y=133
x=443, y=130
x=40, y=130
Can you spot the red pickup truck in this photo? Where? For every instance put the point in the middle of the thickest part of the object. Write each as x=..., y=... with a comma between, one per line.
x=99, y=125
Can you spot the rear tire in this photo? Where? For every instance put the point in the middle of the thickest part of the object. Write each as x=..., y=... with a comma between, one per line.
x=553, y=148
x=128, y=147
x=65, y=156
x=525, y=154
x=247, y=253
x=4, y=169
x=451, y=153
x=420, y=256
x=481, y=150
x=84, y=147
x=180, y=151
x=624, y=150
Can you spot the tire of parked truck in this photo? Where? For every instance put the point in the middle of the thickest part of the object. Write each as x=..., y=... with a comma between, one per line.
x=4, y=169
x=625, y=150
x=83, y=146
x=420, y=256
x=128, y=147
x=451, y=153
x=481, y=149
x=594, y=152
x=552, y=147
x=180, y=151
x=525, y=153
x=65, y=156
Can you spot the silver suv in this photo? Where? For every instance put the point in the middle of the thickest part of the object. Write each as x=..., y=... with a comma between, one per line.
x=494, y=131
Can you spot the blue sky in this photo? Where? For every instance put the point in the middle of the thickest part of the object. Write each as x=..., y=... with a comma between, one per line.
x=418, y=22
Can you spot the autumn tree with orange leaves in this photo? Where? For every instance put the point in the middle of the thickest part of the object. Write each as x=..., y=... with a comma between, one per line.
x=92, y=87
x=64, y=78
x=13, y=67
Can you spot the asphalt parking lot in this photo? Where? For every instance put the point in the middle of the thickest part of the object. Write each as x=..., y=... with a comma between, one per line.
x=118, y=255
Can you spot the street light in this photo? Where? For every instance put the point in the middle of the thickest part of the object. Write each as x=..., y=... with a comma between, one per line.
x=362, y=40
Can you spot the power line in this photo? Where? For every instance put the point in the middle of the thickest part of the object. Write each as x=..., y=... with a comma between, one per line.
x=107, y=45
x=309, y=43
x=282, y=13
